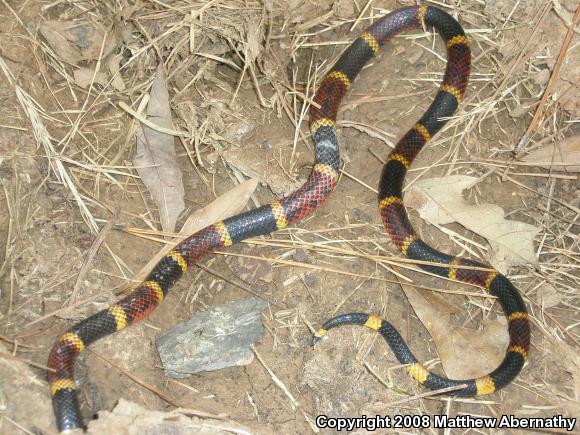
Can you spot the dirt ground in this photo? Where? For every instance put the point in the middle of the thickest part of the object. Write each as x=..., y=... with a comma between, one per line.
x=240, y=76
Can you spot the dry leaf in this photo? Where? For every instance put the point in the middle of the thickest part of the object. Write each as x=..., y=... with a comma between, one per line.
x=547, y=296
x=74, y=41
x=258, y=163
x=84, y=77
x=253, y=41
x=155, y=158
x=559, y=355
x=227, y=205
x=113, y=63
x=440, y=201
x=464, y=353
x=563, y=155
x=55, y=36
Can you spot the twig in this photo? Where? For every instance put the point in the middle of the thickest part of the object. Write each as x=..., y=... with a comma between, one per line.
x=91, y=254
x=548, y=91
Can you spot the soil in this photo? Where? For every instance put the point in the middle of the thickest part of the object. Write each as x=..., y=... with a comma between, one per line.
x=46, y=239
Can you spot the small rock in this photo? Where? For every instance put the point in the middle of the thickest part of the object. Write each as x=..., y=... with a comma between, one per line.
x=211, y=340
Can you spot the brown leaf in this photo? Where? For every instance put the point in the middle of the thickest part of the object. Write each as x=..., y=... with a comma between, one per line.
x=113, y=64
x=155, y=158
x=464, y=353
x=547, y=296
x=85, y=76
x=563, y=155
x=54, y=34
x=74, y=41
x=252, y=161
x=253, y=43
x=440, y=201
x=227, y=205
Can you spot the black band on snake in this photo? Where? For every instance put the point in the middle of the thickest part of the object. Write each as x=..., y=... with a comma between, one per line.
x=303, y=202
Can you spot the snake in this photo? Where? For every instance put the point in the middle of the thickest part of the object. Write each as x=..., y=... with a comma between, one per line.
x=303, y=202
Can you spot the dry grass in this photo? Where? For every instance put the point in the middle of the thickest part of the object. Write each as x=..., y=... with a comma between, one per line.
x=227, y=64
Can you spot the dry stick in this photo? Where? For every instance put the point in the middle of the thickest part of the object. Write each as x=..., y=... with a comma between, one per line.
x=8, y=247
x=352, y=177
x=165, y=5
x=548, y=91
x=389, y=260
x=537, y=192
x=427, y=394
x=19, y=426
x=288, y=112
x=295, y=404
x=343, y=301
x=134, y=378
x=510, y=74
x=129, y=137
x=370, y=277
x=154, y=390
x=91, y=254
x=377, y=375
x=25, y=361
x=276, y=380
x=360, y=16
x=32, y=107
x=312, y=246
x=396, y=261
x=143, y=119
x=75, y=124
x=562, y=328
x=13, y=12
x=65, y=309
x=14, y=342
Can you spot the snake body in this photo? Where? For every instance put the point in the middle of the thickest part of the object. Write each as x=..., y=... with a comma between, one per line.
x=321, y=181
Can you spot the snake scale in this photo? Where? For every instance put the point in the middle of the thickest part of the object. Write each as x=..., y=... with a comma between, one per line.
x=320, y=183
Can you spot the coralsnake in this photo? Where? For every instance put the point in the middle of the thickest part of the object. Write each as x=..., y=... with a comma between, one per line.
x=287, y=211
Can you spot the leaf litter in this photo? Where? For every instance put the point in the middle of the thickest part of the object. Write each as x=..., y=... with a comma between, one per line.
x=440, y=201
x=76, y=41
x=155, y=158
x=562, y=155
x=486, y=346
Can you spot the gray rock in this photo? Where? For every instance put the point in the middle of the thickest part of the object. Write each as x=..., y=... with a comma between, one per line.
x=211, y=340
